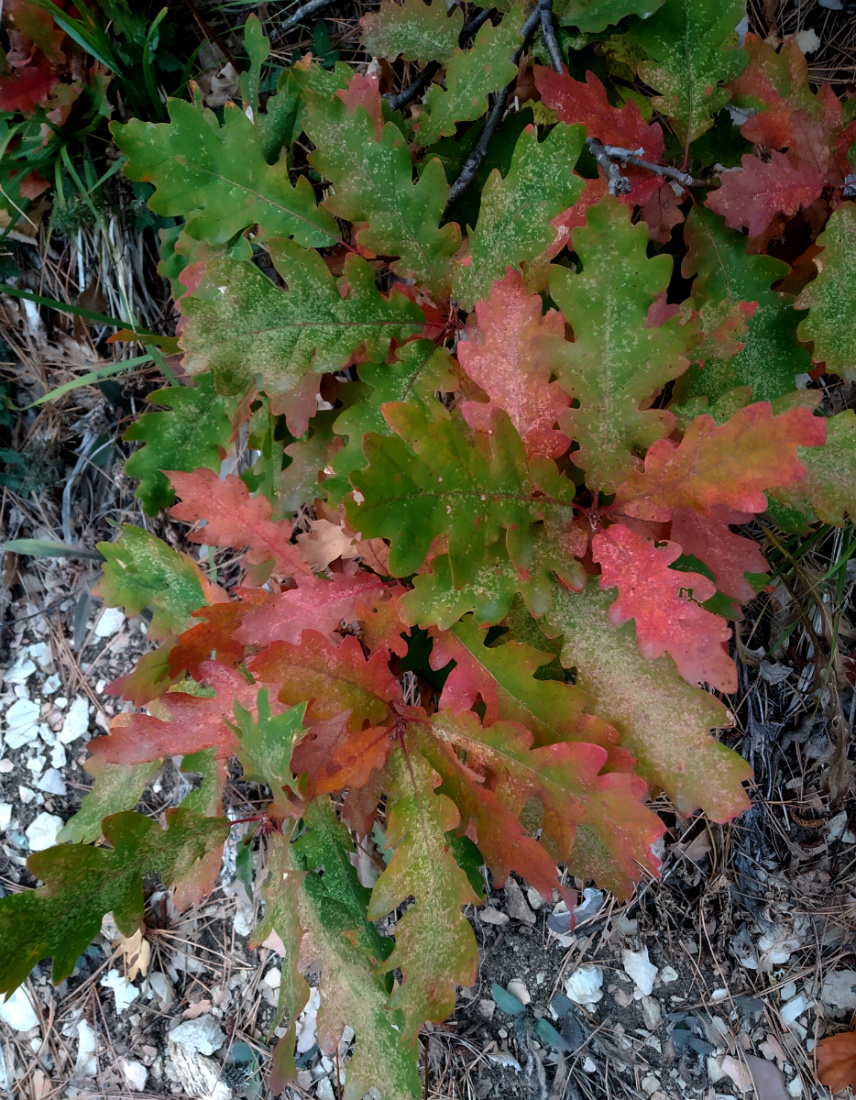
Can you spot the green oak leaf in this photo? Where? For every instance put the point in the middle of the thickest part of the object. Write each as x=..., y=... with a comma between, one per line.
x=217, y=179
x=333, y=908
x=372, y=176
x=590, y=16
x=433, y=479
x=265, y=743
x=693, y=46
x=434, y=943
x=516, y=212
x=663, y=721
x=194, y=432
x=141, y=571
x=82, y=883
x=413, y=30
x=117, y=787
x=829, y=326
x=828, y=490
x=771, y=356
x=471, y=76
x=419, y=370
x=242, y=326
x=616, y=361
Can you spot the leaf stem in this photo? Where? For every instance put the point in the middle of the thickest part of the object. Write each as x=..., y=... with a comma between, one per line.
x=548, y=33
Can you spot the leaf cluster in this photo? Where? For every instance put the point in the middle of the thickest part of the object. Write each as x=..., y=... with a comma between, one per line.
x=523, y=447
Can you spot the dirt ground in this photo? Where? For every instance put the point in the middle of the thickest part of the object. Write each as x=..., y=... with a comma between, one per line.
x=714, y=981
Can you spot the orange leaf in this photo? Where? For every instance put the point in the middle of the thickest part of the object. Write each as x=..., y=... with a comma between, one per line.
x=836, y=1061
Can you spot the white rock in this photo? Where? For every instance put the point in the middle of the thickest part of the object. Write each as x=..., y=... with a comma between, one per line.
x=243, y=921
x=583, y=987
x=639, y=967
x=837, y=989
x=135, y=1074
x=651, y=1012
x=41, y=654
x=59, y=757
x=650, y=1084
x=486, y=1009
x=52, y=782
x=795, y=1088
x=76, y=722
x=324, y=1090
x=307, y=1021
x=86, y=1064
x=517, y=988
x=17, y=1010
x=158, y=985
x=668, y=974
x=52, y=685
x=5, y=815
x=26, y=795
x=109, y=623
x=199, y=1076
x=794, y=1008
x=22, y=719
x=273, y=978
x=43, y=831
x=21, y=670
x=202, y=1035
x=123, y=991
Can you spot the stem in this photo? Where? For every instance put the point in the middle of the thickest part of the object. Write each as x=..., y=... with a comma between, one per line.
x=548, y=33
x=301, y=13
x=471, y=164
x=618, y=184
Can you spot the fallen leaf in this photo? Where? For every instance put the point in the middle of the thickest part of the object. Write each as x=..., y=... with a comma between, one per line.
x=136, y=952
x=836, y=1061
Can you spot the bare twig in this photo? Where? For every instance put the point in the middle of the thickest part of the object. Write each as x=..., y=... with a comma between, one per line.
x=618, y=184
x=548, y=33
x=471, y=164
x=408, y=94
x=301, y=13
x=629, y=156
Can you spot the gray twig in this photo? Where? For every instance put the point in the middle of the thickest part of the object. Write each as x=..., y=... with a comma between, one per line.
x=301, y=13
x=628, y=156
x=471, y=164
x=618, y=184
x=408, y=94
x=548, y=33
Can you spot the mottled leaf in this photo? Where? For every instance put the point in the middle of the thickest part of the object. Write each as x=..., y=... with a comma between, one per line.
x=755, y=194
x=116, y=787
x=829, y=326
x=413, y=30
x=829, y=488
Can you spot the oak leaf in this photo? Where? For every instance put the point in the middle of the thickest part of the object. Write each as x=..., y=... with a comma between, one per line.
x=666, y=606
x=836, y=1061
x=829, y=298
x=762, y=189
x=413, y=30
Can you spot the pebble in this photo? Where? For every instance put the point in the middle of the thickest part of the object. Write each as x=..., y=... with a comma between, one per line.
x=52, y=782
x=202, y=1035
x=43, y=831
x=21, y=670
x=486, y=1009
x=135, y=1074
x=793, y=1009
x=123, y=991
x=86, y=1064
x=324, y=1089
x=516, y=905
x=273, y=978
x=26, y=796
x=640, y=968
x=22, y=719
x=5, y=816
x=651, y=1012
x=110, y=622
x=584, y=986
x=17, y=1010
x=76, y=722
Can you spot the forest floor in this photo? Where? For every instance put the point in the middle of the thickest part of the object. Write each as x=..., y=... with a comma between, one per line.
x=711, y=982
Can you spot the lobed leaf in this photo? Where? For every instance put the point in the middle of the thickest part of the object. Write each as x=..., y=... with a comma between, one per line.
x=216, y=178
x=590, y=16
x=829, y=488
x=663, y=721
x=193, y=433
x=763, y=189
x=81, y=883
x=829, y=298
x=413, y=30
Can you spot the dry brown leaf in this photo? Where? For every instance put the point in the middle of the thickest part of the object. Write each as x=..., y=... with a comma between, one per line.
x=326, y=542
x=836, y=1061
x=136, y=952
x=200, y=1008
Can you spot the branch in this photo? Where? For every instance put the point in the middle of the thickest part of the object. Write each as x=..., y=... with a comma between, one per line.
x=628, y=156
x=408, y=94
x=548, y=33
x=471, y=164
x=618, y=184
x=301, y=13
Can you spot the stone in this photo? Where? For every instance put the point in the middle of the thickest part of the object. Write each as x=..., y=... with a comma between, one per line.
x=76, y=722
x=42, y=833
x=135, y=1074
x=202, y=1035
x=21, y=721
x=794, y=1008
x=52, y=782
x=639, y=967
x=123, y=991
x=86, y=1064
x=516, y=905
x=110, y=622
x=486, y=1009
x=651, y=1012
x=5, y=816
x=21, y=670
x=584, y=986
x=838, y=990
x=17, y=1010
x=273, y=978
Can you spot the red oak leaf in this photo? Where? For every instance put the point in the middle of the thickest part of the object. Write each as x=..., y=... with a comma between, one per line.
x=194, y=722
x=756, y=194
x=150, y=678
x=330, y=678
x=235, y=519
x=727, y=555
x=623, y=126
x=26, y=89
x=382, y=620
x=334, y=757
x=507, y=352
x=667, y=620
x=364, y=91
x=215, y=634
x=323, y=604
x=728, y=465
x=836, y=1061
